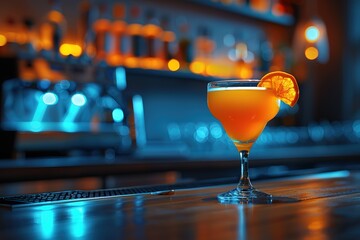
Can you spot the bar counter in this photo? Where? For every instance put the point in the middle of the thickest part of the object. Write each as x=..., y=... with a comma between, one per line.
x=318, y=206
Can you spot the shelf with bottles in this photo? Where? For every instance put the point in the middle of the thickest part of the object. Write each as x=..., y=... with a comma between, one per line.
x=273, y=11
x=140, y=38
x=82, y=69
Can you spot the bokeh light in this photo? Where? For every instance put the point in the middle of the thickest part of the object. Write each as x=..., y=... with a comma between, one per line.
x=67, y=49
x=3, y=40
x=312, y=34
x=197, y=67
x=311, y=53
x=118, y=115
x=50, y=98
x=78, y=99
x=173, y=65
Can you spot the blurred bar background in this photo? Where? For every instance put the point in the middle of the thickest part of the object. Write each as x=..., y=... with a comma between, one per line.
x=103, y=93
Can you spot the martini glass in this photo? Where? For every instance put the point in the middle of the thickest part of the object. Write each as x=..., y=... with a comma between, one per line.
x=243, y=109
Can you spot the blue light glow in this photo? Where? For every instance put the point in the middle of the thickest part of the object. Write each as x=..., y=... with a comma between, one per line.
x=64, y=84
x=77, y=222
x=120, y=78
x=316, y=133
x=118, y=115
x=174, y=131
x=356, y=128
x=201, y=134
x=72, y=113
x=50, y=98
x=312, y=33
x=92, y=90
x=47, y=226
x=44, y=84
x=229, y=40
x=69, y=127
x=35, y=126
x=216, y=131
x=325, y=175
x=39, y=112
x=139, y=120
x=78, y=99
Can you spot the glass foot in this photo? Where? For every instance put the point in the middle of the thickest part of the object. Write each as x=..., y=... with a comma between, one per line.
x=244, y=196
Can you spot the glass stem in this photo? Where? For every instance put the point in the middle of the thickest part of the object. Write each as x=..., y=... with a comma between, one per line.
x=244, y=183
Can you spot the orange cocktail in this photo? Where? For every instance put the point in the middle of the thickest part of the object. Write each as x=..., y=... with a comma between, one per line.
x=243, y=111
x=244, y=107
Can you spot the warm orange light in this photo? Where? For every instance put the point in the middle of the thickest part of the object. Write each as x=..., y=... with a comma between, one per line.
x=11, y=36
x=244, y=71
x=134, y=29
x=173, y=65
x=217, y=69
x=21, y=38
x=90, y=50
x=241, y=51
x=311, y=53
x=67, y=49
x=211, y=70
x=55, y=16
x=17, y=37
x=152, y=63
x=102, y=25
x=118, y=27
x=3, y=40
x=132, y=62
x=114, y=59
x=197, y=67
x=169, y=36
x=45, y=36
x=151, y=30
x=316, y=225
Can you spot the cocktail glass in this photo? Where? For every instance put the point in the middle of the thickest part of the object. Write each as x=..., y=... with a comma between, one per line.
x=243, y=109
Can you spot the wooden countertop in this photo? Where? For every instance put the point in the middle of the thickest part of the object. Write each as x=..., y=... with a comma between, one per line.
x=320, y=206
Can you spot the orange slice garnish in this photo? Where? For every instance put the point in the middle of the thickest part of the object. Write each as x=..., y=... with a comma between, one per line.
x=284, y=85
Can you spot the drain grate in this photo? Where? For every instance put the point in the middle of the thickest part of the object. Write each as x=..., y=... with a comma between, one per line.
x=80, y=195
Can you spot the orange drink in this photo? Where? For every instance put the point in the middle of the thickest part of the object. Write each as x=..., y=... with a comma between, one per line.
x=244, y=107
x=243, y=112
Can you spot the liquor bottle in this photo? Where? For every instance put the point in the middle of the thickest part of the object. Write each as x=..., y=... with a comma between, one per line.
x=168, y=37
x=101, y=29
x=223, y=59
x=204, y=46
x=86, y=31
x=118, y=30
x=30, y=44
x=52, y=30
x=184, y=53
x=137, y=42
x=244, y=60
x=152, y=36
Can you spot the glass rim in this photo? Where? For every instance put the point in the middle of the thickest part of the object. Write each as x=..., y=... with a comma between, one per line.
x=231, y=83
x=236, y=80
